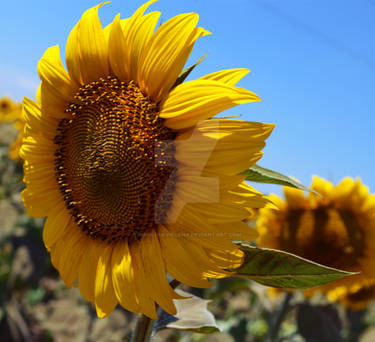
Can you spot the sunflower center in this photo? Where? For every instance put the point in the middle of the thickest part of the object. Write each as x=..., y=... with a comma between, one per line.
x=115, y=161
x=326, y=235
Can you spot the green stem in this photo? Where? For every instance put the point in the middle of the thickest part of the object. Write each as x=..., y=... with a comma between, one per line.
x=279, y=317
x=143, y=329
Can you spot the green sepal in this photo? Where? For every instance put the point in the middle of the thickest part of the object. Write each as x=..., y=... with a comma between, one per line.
x=186, y=72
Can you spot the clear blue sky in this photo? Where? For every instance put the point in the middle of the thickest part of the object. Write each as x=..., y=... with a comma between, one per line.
x=312, y=62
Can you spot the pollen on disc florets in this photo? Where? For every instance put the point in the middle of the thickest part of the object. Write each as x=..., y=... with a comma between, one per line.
x=114, y=160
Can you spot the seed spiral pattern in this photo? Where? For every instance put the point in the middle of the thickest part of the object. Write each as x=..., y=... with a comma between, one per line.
x=114, y=161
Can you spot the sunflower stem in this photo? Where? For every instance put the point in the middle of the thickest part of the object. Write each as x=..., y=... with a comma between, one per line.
x=144, y=324
x=143, y=329
x=279, y=317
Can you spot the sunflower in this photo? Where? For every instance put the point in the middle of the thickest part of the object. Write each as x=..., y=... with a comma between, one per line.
x=357, y=297
x=135, y=177
x=336, y=229
x=11, y=111
x=15, y=146
x=6, y=107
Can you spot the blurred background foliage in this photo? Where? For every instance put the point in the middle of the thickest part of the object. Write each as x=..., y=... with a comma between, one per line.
x=36, y=306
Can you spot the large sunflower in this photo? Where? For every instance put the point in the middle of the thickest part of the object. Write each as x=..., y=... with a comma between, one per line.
x=336, y=229
x=135, y=178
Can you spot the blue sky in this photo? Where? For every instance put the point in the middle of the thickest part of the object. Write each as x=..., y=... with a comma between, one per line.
x=312, y=62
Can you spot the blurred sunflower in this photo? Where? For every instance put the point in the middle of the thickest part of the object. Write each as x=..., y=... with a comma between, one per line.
x=6, y=106
x=336, y=229
x=134, y=179
x=11, y=111
x=15, y=146
x=357, y=297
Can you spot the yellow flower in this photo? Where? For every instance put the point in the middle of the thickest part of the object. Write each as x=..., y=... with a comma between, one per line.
x=357, y=297
x=6, y=107
x=15, y=146
x=336, y=229
x=11, y=111
x=134, y=176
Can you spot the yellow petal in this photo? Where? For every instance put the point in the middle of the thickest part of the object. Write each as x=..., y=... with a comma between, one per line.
x=215, y=213
x=230, y=259
x=123, y=277
x=166, y=54
x=189, y=188
x=87, y=49
x=199, y=256
x=238, y=230
x=37, y=149
x=222, y=146
x=39, y=201
x=57, y=89
x=322, y=186
x=40, y=173
x=229, y=76
x=193, y=225
x=87, y=272
x=178, y=261
x=142, y=35
x=67, y=253
x=56, y=225
x=118, y=51
x=73, y=56
x=45, y=126
x=105, y=299
x=154, y=269
x=294, y=197
x=247, y=197
x=146, y=303
x=138, y=31
x=38, y=95
x=127, y=40
x=197, y=100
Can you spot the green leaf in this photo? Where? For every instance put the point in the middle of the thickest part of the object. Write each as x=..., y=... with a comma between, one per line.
x=192, y=315
x=260, y=174
x=284, y=270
